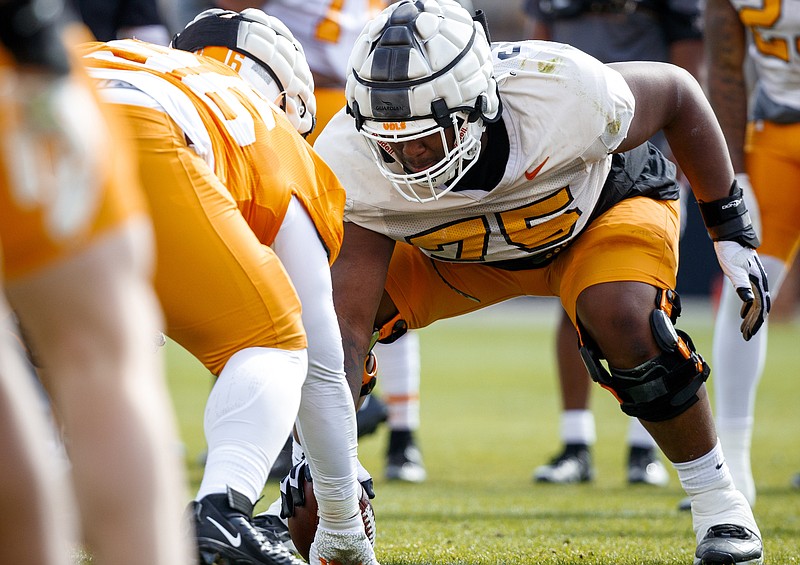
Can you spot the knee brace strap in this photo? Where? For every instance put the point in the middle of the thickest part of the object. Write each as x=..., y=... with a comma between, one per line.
x=391, y=331
x=660, y=388
x=663, y=387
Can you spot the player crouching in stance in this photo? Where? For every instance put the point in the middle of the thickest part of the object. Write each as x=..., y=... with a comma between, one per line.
x=476, y=173
x=247, y=220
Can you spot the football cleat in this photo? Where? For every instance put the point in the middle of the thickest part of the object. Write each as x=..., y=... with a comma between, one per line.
x=644, y=467
x=226, y=536
x=404, y=459
x=725, y=529
x=727, y=544
x=341, y=548
x=275, y=529
x=573, y=465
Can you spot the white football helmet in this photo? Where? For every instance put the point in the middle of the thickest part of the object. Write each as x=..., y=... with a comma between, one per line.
x=419, y=68
x=270, y=58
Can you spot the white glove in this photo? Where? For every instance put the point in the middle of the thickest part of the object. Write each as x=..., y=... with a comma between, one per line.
x=744, y=269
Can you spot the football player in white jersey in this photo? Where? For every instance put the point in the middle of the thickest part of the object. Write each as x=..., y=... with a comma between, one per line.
x=475, y=174
x=765, y=150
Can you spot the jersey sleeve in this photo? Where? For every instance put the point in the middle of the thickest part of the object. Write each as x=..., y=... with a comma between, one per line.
x=576, y=105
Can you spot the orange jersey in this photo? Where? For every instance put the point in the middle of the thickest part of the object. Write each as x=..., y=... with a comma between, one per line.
x=47, y=212
x=219, y=165
x=247, y=141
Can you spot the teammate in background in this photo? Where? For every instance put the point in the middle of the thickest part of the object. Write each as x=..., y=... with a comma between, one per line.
x=77, y=256
x=765, y=150
x=237, y=192
x=611, y=31
x=120, y=19
x=475, y=174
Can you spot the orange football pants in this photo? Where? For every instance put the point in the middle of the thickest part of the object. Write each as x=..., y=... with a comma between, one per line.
x=637, y=240
x=772, y=159
x=221, y=289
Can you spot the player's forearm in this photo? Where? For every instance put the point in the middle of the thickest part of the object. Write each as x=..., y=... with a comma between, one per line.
x=359, y=275
x=727, y=90
x=670, y=99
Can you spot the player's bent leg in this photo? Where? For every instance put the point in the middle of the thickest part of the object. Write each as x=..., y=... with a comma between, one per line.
x=399, y=376
x=574, y=463
x=98, y=364
x=249, y=413
x=665, y=390
x=29, y=487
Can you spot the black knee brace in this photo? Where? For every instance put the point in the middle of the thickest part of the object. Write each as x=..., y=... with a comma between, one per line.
x=663, y=387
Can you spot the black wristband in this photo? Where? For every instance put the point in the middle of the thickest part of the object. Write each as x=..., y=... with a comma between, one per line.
x=727, y=219
x=31, y=33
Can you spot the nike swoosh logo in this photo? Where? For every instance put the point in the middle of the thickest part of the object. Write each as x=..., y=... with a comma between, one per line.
x=718, y=467
x=531, y=174
x=235, y=541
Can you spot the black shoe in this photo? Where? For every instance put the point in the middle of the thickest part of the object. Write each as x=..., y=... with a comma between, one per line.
x=573, y=465
x=274, y=529
x=226, y=536
x=727, y=544
x=644, y=467
x=404, y=459
x=283, y=463
x=371, y=415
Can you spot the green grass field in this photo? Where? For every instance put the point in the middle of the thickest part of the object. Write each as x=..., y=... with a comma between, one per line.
x=490, y=415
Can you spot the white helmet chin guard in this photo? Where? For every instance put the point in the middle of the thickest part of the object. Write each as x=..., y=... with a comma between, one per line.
x=419, y=68
x=274, y=61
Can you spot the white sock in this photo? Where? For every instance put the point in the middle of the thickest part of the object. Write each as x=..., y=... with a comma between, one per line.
x=704, y=473
x=714, y=498
x=398, y=378
x=577, y=426
x=249, y=414
x=735, y=437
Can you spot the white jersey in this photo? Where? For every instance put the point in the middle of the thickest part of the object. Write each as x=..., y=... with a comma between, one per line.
x=775, y=49
x=327, y=29
x=564, y=113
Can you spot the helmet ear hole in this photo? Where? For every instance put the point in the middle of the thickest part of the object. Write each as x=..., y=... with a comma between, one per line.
x=269, y=44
